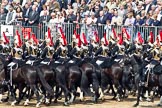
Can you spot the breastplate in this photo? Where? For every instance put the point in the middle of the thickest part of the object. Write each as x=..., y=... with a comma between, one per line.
x=18, y=53
x=50, y=52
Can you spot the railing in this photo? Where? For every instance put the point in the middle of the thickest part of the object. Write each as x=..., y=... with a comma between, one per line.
x=89, y=30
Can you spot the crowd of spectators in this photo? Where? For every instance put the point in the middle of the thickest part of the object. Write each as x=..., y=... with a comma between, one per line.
x=114, y=12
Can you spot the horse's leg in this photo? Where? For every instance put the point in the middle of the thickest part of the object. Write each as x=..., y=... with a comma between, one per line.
x=13, y=94
x=1, y=94
x=26, y=103
x=73, y=92
x=44, y=94
x=84, y=87
x=139, y=88
x=58, y=93
x=119, y=89
x=48, y=98
x=34, y=88
x=95, y=85
x=104, y=83
x=113, y=91
x=20, y=87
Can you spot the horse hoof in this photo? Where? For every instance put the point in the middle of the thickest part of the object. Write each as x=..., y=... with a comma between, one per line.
x=47, y=102
x=118, y=100
x=66, y=104
x=82, y=100
x=55, y=101
x=38, y=105
x=148, y=100
x=135, y=105
x=59, y=98
x=26, y=102
x=13, y=103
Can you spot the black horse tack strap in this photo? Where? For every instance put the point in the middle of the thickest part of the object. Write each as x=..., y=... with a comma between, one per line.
x=11, y=65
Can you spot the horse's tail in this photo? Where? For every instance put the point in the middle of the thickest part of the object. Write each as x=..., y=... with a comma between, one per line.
x=44, y=82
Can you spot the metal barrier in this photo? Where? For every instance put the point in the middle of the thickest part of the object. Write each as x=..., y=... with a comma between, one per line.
x=89, y=30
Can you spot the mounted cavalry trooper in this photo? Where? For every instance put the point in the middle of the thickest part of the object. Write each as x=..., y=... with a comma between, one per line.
x=16, y=53
x=113, y=40
x=62, y=49
x=33, y=47
x=150, y=41
x=76, y=51
x=47, y=53
x=84, y=46
x=93, y=46
x=103, y=49
x=4, y=48
x=138, y=44
x=126, y=38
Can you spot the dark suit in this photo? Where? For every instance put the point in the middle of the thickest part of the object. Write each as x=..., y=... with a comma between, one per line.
x=44, y=18
x=149, y=7
x=71, y=18
x=108, y=16
x=101, y=20
x=26, y=15
x=100, y=28
x=34, y=17
x=3, y=17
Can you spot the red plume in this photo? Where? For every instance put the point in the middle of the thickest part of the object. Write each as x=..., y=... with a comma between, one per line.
x=140, y=39
x=96, y=36
x=113, y=30
x=125, y=31
x=49, y=36
x=28, y=35
x=160, y=36
x=34, y=38
x=151, y=37
x=79, y=40
x=19, y=39
x=120, y=39
x=6, y=39
x=84, y=39
x=63, y=36
x=106, y=42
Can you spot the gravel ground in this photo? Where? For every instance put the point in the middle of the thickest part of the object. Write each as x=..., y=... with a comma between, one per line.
x=108, y=103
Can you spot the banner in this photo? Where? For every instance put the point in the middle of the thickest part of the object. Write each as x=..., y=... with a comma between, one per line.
x=7, y=29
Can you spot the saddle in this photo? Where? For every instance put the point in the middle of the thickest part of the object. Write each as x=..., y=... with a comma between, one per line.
x=107, y=63
x=30, y=62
